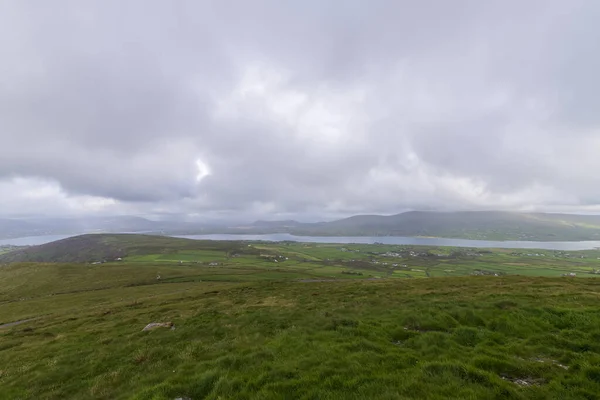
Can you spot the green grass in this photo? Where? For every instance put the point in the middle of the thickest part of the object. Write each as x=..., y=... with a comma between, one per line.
x=99, y=247
x=251, y=328
x=8, y=248
x=427, y=338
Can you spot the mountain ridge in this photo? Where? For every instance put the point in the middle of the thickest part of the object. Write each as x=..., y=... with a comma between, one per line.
x=490, y=225
x=484, y=225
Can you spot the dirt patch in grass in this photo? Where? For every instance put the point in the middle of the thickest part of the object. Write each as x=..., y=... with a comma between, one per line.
x=9, y=324
x=273, y=301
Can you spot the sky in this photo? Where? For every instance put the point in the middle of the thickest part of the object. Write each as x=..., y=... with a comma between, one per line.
x=298, y=109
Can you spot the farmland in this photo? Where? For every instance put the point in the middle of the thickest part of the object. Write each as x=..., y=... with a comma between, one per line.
x=379, y=261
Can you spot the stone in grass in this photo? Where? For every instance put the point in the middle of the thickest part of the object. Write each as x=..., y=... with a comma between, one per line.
x=155, y=325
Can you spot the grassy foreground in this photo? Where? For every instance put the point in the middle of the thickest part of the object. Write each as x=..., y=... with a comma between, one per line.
x=297, y=321
x=439, y=338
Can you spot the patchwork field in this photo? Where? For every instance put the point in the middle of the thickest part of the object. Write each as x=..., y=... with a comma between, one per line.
x=377, y=261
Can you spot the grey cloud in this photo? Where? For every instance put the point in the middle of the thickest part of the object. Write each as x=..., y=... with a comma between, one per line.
x=300, y=108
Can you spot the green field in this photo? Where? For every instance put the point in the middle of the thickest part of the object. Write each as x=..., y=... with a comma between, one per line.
x=323, y=322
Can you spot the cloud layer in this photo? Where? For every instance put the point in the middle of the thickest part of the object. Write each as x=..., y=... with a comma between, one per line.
x=298, y=109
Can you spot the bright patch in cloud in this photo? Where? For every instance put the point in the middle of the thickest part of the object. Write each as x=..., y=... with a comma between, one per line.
x=203, y=170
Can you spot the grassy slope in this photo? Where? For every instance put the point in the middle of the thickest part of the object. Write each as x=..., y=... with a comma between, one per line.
x=98, y=247
x=437, y=338
x=249, y=329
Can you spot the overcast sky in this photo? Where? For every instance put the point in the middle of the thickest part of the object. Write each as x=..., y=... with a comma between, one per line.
x=298, y=109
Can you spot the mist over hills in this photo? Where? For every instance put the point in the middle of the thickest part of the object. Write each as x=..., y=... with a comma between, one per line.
x=490, y=225
x=493, y=225
x=35, y=226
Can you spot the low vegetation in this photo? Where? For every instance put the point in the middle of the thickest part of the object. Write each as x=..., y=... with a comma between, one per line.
x=284, y=320
x=5, y=248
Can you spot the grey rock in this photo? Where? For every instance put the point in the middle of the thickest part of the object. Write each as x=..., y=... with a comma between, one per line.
x=155, y=325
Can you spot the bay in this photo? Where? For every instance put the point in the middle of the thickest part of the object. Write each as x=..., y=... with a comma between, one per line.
x=394, y=240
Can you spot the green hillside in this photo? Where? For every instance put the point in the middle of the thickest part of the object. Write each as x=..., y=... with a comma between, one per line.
x=108, y=247
x=258, y=320
x=450, y=338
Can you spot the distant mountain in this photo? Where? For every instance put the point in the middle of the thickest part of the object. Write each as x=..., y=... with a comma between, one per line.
x=13, y=227
x=276, y=224
x=491, y=225
x=64, y=226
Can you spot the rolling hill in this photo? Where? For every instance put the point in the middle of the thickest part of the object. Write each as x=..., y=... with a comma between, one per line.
x=101, y=247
